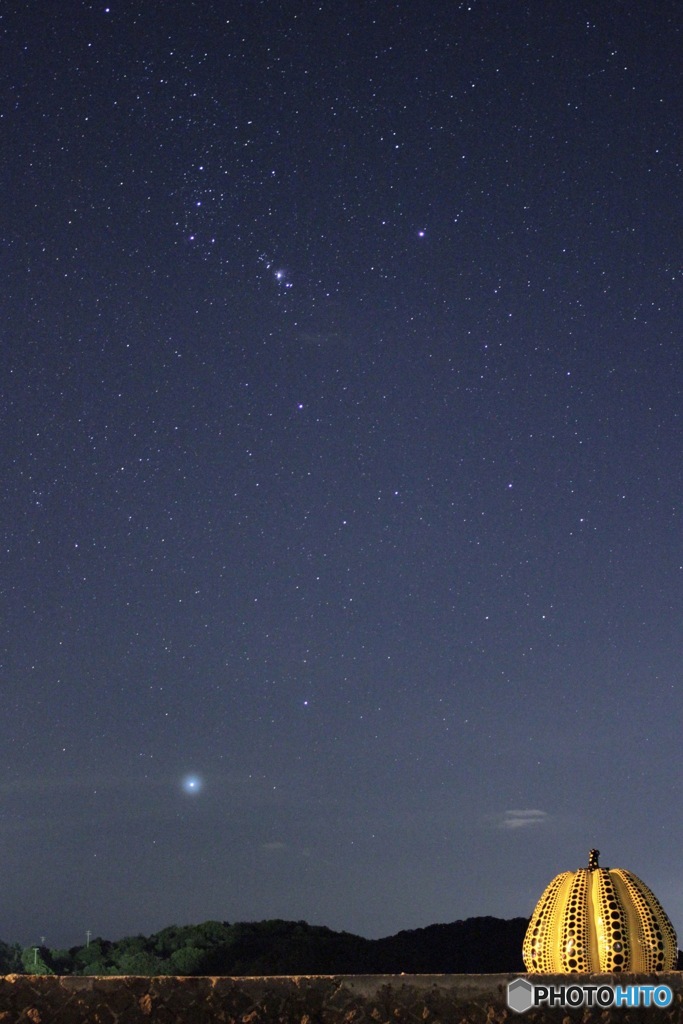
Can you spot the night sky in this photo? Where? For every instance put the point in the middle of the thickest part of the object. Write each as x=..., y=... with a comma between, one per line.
x=342, y=575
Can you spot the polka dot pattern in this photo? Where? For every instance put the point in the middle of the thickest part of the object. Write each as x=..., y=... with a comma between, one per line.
x=599, y=920
x=538, y=940
x=657, y=937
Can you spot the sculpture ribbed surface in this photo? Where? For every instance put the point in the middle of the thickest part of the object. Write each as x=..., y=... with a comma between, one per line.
x=598, y=920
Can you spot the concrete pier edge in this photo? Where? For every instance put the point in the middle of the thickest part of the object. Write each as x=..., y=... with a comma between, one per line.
x=309, y=999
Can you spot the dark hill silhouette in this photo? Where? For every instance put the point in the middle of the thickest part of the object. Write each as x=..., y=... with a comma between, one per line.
x=477, y=945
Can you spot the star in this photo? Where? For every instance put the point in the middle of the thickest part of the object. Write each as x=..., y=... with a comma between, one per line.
x=192, y=784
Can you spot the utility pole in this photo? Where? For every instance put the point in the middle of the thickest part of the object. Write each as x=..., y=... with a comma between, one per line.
x=87, y=938
x=35, y=955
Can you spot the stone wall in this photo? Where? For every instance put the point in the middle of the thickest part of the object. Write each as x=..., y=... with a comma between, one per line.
x=344, y=999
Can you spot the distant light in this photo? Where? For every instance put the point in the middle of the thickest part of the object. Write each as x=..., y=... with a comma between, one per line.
x=192, y=784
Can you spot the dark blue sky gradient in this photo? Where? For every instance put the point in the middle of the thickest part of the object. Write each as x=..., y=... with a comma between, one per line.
x=341, y=439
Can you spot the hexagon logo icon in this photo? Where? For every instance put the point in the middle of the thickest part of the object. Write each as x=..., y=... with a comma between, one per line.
x=520, y=995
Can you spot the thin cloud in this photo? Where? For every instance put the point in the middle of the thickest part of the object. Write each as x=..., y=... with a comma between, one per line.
x=526, y=818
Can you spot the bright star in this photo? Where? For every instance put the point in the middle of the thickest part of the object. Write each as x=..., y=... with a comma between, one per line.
x=192, y=784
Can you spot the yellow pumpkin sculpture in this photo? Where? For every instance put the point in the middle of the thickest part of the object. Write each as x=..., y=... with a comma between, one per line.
x=597, y=920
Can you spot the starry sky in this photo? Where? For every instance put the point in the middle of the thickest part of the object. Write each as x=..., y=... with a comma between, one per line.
x=341, y=459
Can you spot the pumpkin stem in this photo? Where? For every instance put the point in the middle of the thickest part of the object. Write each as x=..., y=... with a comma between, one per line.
x=593, y=860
